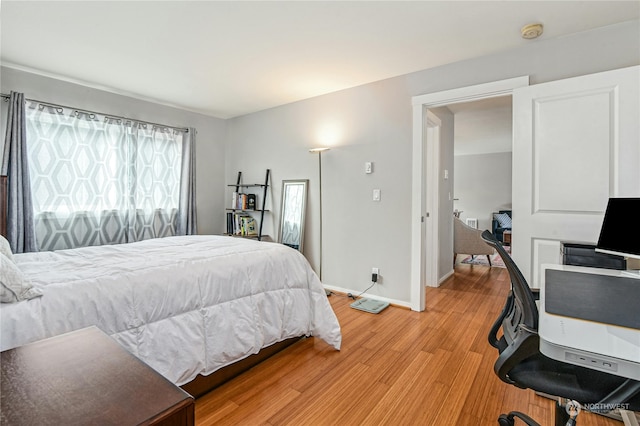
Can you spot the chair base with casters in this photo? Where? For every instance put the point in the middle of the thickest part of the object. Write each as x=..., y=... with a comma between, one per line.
x=561, y=415
x=509, y=419
x=520, y=362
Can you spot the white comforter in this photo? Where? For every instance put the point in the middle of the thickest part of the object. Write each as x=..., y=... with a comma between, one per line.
x=184, y=305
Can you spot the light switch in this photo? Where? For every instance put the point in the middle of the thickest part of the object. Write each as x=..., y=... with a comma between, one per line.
x=368, y=167
x=446, y=174
x=376, y=195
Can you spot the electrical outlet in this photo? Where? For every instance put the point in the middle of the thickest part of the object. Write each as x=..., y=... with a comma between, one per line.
x=375, y=277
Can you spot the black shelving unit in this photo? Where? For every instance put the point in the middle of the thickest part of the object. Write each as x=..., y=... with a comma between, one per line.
x=261, y=211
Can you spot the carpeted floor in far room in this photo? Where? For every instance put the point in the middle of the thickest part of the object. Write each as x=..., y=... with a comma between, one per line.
x=481, y=260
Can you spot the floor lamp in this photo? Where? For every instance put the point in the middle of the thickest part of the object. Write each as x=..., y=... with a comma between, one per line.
x=319, y=151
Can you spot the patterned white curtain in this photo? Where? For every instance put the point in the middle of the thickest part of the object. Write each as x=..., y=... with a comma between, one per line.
x=99, y=180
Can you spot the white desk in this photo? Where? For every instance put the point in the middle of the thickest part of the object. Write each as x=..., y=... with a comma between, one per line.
x=601, y=346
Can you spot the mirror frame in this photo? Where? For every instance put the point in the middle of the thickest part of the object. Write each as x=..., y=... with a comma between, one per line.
x=305, y=185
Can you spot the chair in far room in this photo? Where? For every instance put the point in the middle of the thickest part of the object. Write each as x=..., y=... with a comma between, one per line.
x=468, y=240
x=520, y=362
x=501, y=222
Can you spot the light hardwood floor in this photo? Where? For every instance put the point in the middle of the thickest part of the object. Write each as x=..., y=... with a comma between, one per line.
x=398, y=367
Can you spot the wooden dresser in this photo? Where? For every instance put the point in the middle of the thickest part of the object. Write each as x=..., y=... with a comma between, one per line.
x=86, y=378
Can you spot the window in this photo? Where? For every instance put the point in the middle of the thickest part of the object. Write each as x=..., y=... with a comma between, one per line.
x=100, y=180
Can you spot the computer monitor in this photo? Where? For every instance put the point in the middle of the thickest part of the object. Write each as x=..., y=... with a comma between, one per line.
x=620, y=232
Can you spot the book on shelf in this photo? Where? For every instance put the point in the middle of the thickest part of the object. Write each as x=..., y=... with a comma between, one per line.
x=251, y=201
x=238, y=224
x=242, y=225
x=229, y=223
x=237, y=200
x=250, y=226
x=240, y=201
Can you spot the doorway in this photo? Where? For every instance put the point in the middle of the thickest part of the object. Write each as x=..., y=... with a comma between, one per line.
x=427, y=175
x=482, y=172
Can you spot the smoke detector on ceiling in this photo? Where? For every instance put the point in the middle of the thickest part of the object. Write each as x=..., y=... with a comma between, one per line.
x=531, y=31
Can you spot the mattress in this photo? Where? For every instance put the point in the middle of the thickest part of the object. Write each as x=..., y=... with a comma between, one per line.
x=184, y=305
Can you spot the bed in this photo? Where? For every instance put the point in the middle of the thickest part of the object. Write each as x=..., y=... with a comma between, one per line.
x=186, y=306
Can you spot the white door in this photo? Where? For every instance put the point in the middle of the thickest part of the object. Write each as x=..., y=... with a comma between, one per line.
x=576, y=143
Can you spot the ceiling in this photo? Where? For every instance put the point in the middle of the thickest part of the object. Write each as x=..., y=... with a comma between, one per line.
x=227, y=59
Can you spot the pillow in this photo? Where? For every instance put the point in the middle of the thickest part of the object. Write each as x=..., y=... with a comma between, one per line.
x=503, y=219
x=5, y=248
x=14, y=286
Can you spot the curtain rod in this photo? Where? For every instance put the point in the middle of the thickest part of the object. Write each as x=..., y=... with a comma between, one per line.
x=184, y=129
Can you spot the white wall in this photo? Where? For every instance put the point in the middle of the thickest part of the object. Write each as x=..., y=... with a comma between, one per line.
x=358, y=233
x=373, y=123
x=445, y=191
x=483, y=126
x=209, y=139
x=483, y=144
x=482, y=185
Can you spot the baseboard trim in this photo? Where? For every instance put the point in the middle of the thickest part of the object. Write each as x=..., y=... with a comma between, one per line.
x=445, y=277
x=392, y=302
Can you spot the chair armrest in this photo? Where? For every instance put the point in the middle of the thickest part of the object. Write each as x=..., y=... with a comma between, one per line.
x=500, y=344
x=526, y=344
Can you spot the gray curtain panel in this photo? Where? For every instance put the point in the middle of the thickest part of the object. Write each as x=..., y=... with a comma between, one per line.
x=20, y=217
x=187, y=206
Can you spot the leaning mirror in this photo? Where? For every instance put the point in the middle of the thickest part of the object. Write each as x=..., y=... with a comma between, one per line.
x=292, y=214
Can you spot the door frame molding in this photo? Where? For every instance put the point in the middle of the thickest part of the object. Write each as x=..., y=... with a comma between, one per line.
x=422, y=168
x=432, y=200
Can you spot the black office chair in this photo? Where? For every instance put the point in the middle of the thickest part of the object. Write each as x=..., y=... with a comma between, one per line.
x=520, y=362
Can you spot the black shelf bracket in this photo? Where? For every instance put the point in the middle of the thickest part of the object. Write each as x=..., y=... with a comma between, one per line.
x=264, y=202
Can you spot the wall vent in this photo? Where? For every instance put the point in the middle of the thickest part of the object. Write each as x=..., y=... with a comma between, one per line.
x=472, y=222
